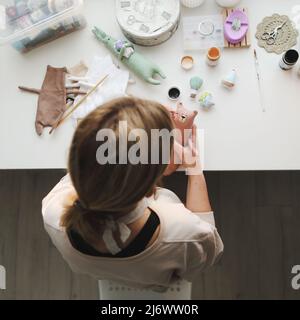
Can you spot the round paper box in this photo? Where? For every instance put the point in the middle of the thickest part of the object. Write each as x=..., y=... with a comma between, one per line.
x=148, y=27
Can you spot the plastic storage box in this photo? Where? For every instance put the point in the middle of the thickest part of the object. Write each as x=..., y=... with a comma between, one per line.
x=27, y=24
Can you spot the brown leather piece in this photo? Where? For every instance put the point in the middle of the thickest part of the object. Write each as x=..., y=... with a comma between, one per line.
x=52, y=98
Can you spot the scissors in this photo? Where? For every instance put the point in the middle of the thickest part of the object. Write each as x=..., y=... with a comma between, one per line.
x=270, y=37
x=132, y=20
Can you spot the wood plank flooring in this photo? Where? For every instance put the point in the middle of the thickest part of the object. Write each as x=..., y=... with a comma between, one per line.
x=257, y=215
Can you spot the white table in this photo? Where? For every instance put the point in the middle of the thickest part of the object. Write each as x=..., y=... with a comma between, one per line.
x=238, y=135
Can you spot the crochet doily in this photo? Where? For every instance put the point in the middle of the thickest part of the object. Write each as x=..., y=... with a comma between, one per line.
x=287, y=35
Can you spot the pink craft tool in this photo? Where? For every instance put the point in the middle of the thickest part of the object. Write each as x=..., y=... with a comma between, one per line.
x=236, y=26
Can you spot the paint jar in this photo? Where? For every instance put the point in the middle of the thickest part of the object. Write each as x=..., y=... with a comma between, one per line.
x=174, y=93
x=187, y=62
x=289, y=59
x=213, y=56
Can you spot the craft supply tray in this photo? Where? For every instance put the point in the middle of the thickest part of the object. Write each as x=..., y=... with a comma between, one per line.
x=27, y=24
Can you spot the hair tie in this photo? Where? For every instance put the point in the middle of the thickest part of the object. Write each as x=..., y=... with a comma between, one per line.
x=80, y=206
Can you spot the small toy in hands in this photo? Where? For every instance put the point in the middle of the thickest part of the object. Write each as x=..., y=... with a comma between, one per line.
x=206, y=100
x=195, y=84
x=183, y=120
x=125, y=52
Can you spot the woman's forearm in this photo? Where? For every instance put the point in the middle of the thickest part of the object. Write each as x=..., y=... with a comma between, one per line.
x=197, y=194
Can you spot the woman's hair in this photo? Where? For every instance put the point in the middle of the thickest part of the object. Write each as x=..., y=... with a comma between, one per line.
x=113, y=189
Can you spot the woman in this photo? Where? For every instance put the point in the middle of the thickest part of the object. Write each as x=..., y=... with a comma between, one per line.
x=113, y=222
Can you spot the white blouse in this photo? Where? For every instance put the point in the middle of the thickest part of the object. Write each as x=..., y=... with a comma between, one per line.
x=187, y=243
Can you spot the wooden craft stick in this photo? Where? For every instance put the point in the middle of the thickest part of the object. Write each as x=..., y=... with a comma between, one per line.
x=68, y=106
x=60, y=121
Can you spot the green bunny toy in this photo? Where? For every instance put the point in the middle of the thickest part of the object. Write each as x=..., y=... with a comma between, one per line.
x=125, y=52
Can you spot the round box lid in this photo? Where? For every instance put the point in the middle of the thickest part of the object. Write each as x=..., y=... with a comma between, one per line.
x=147, y=19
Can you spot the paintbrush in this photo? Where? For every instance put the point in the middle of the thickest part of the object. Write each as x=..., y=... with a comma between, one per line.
x=257, y=67
x=60, y=121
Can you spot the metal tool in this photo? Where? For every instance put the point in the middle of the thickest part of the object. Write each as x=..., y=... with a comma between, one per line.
x=259, y=80
x=270, y=37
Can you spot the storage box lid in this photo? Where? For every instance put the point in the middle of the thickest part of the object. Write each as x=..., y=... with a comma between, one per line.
x=20, y=18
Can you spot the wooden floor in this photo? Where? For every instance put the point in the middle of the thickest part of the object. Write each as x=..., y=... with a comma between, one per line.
x=257, y=214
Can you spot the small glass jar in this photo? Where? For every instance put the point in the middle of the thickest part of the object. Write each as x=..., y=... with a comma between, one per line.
x=213, y=56
x=289, y=59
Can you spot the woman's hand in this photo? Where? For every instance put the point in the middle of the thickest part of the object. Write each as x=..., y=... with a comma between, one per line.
x=186, y=157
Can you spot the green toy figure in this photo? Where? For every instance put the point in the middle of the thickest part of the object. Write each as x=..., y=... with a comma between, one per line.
x=126, y=53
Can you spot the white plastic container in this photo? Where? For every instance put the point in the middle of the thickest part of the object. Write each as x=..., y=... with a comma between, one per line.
x=228, y=3
x=27, y=24
x=192, y=3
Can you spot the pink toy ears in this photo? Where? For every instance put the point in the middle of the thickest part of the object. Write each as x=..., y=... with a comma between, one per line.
x=180, y=105
x=236, y=26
